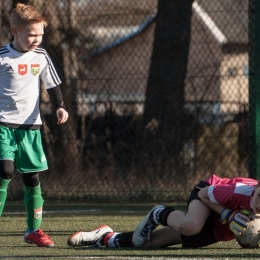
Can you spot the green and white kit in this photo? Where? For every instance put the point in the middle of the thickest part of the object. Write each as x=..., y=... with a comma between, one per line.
x=25, y=149
x=20, y=75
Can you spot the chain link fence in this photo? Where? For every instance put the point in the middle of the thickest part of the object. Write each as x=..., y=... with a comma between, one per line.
x=157, y=93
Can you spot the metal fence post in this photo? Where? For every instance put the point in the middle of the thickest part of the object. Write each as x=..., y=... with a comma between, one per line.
x=254, y=89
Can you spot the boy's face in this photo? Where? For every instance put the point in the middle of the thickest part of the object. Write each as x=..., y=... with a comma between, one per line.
x=256, y=201
x=28, y=37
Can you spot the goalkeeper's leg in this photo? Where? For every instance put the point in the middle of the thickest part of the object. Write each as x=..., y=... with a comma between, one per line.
x=159, y=239
x=105, y=236
x=191, y=223
x=186, y=224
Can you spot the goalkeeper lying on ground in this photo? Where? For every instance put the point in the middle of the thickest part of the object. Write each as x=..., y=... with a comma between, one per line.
x=218, y=209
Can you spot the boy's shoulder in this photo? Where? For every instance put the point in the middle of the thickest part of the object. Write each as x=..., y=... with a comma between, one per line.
x=4, y=49
x=40, y=51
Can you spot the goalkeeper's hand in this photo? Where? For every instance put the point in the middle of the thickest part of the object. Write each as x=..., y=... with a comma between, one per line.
x=238, y=220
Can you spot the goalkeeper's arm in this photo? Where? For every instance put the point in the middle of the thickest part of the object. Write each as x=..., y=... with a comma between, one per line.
x=238, y=219
x=203, y=195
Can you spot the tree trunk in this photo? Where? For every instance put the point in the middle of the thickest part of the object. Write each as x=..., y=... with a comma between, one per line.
x=163, y=114
x=64, y=141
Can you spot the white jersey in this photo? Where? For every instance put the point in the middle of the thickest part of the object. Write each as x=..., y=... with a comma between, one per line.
x=20, y=75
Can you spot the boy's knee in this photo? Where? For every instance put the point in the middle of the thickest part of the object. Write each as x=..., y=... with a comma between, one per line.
x=31, y=179
x=189, y=228
x=6, y=169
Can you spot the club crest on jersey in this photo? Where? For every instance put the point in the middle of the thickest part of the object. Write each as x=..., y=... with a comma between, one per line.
x=35, y=69
x=22, y=69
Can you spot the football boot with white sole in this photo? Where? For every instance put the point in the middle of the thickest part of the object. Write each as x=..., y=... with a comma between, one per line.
x=144, y=230
x=91, y=238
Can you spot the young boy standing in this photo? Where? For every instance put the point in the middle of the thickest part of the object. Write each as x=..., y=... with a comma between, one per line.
x=22, y=66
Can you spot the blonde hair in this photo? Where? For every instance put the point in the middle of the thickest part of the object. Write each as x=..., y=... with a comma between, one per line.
x=25, y=14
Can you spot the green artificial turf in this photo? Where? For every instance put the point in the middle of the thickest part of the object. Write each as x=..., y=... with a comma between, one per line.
x=60, y=220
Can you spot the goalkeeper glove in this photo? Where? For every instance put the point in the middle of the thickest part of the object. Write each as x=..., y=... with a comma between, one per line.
x=238, y=220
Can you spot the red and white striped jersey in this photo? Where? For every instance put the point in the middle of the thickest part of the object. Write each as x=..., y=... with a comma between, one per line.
x=233, y=193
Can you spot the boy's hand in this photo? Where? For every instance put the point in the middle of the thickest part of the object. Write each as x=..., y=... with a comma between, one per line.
x=238, y=220
x=62, y=115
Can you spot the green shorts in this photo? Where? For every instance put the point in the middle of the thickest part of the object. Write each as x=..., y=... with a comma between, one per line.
x=24, y=147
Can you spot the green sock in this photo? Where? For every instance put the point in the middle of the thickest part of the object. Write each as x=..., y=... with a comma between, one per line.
x=33, y=203
x=3, y=193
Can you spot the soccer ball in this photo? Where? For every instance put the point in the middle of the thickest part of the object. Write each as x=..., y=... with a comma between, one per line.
x=251, y=237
